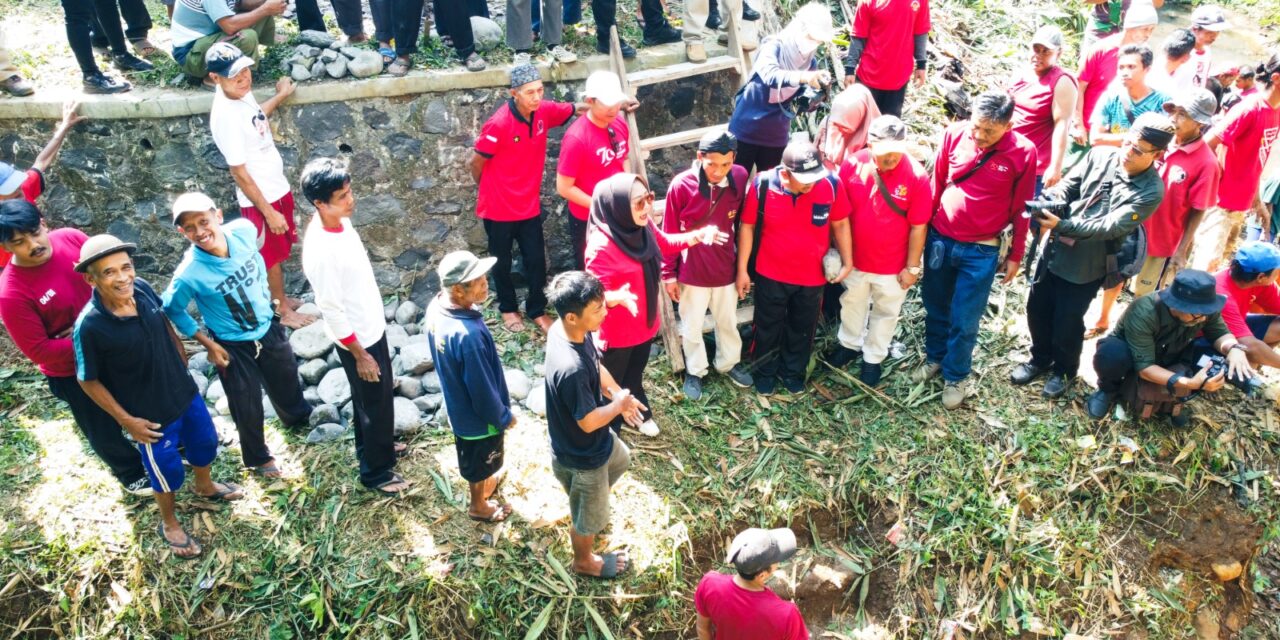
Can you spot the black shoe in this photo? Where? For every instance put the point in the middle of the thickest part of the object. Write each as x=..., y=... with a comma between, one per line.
x=765, y=386
x=1056, y=385
x=666, y=35
x=749, y=14
x=103, y=83
x=1025, y=373
x=793, y=385
x=692, y=386
x=628, y=51
x=1182, y=419
x=842, y=356
x=128, y=62
x=713, y=20
x=1098, y=404
x=870, y=374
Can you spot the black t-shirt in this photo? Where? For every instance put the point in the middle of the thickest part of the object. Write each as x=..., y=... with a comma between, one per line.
x=573, y=391
x=134, y=357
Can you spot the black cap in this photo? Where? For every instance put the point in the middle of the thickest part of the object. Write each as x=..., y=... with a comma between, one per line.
x=755, y=550
x=803, y=162
x=1193, y=291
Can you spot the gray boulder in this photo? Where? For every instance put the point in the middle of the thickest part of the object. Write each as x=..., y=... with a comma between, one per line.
x=408, y=386
x=348, y=412
x=309, y=309
x=431, y=382
x=518, y=384
x=334, y=388
x=488, y=34
x=416, y=338
x=389, y=309
x=317, y=69
x=334, y=361
x=536, y=401
x=416, y=358
x=325, y=433
x=407, y=312
x=199, y=361
x=313, y=370
x=202, y=383
x=407, y=417
x=311, y=342
x=312, y=396
x=222, y=406
x=320, y=39
x=397, y=337
x=413, y=329
x=337, y=67
x=350, y=52
x=300, y=73
x=323, y=414
x=365, y=64
x=214, y=393
x=328, y=55
x=427, y=404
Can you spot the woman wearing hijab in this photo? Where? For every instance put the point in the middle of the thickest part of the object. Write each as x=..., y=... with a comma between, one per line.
x=785, y=63
x=844, y=132
x=625, y=250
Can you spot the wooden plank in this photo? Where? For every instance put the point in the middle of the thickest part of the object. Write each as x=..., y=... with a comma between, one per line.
x=682, y=70
x=732, y=22
x=745, y=315
x=676, y=139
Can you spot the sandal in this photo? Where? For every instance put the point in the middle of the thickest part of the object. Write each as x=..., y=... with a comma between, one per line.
x=475, y=63
x=229, y=488
x=187, y=543
x=513, y=322
x=610, y=568
x=268, y=471
x=401, y=449
x=381, y=488
x=399, y=67
x=388, y=55
x=500, y=513
x=1096, y=332
x=143, y=48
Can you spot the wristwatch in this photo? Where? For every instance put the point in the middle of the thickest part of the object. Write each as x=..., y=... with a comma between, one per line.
x=1239, y=345
x=916, y=270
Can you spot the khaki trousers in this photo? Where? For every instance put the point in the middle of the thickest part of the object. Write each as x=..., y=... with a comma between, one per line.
x=869, y=313
x=722, y=302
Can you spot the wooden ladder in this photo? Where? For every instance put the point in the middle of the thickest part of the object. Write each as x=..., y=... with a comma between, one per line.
x=737, y=62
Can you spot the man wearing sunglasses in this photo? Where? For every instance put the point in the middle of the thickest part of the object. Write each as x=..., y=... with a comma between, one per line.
x=1108, y=196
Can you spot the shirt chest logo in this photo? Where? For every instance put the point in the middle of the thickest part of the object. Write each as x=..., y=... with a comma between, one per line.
x=915, y=6
x=900, y=192
x=260, y=125
x=608, y=155
x=48, y=295
x=1177, y=175
x=1000, y=167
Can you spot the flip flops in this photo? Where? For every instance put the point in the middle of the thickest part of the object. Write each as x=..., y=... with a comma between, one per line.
x=264, y=471
x=187, y=543
x=395, y=478
x=610, y=568
x=221, y=494
x=388, y=55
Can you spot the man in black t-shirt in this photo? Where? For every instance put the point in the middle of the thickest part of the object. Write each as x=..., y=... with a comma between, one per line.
x=583, y=400
x=130, y=362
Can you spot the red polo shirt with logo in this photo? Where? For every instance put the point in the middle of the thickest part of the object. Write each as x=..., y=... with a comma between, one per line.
x=1248, y=133
x=880, y=234
x=993, y=197
x=590, y=153
x=511, y=182
x=796, y=228
x=889, y=27
x=1190, y=177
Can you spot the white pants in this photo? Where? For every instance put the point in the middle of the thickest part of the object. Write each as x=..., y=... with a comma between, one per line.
x=7, y=69
x=695, y=20
x=723, y=304
x=869, y=310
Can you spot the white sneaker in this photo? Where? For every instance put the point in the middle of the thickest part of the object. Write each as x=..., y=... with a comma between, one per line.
x=140, y=487
x=563, y=55
x=649, y=428
x=521, y=58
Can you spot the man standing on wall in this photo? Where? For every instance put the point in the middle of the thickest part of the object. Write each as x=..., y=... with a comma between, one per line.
x=29, y=184
x=240, y=129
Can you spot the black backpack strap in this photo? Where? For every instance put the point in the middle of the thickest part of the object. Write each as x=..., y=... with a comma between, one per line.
x=972, y=170
x=884, y=193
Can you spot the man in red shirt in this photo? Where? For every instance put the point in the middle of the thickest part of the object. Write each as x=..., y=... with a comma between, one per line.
x=594, y=148
x=1043, y=97
x=887, y=36
x=741, y=607
x=1252, y=312
x=1098, y=66
x=29, y=185
x=982, y=178
x=890, y=203
x=507, y=163
x=701, y=278
x=798, y=206
x=1248, y=134
x=41, y=296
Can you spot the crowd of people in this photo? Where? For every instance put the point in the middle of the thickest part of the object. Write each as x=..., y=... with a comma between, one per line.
x=1118, y=174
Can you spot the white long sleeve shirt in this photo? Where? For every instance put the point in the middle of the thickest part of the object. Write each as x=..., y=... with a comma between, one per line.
x=337, y=265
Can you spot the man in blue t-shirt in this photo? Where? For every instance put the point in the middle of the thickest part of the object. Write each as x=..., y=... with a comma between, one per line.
x=471, y=377
x=198, y=24
x=225, y=275
x=1129, y=97
x=587, y=457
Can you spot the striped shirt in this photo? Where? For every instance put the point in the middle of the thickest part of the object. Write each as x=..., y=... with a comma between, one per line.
x=195, y=19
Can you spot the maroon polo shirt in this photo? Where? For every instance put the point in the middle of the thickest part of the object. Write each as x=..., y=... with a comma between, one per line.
x=511, y=182
x=689, y=206
x=980, y=207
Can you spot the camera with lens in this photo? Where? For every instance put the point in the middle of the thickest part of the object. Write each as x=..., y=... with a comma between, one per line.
x=1218, y=365
x=1058, y=208
x=808, y=99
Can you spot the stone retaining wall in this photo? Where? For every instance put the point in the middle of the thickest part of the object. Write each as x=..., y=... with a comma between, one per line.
x=408, y=154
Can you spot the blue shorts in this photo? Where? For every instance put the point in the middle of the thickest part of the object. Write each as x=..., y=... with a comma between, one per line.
x=1258, y=324
x=194, y=432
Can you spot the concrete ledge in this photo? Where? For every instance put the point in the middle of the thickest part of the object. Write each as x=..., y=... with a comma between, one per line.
x=175, y=103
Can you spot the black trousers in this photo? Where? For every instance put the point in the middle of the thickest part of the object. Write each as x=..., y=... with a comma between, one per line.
x=453, y=19
x=81, y=17
x=137, y=21
x=577, y=234
x=756, y=157
x=889, y=101
x=533, y=257
x=1113, y=362
x=348, y=12
x=268, y=363
x=105, y=435
x=374, y=415
x=786, y=316
x=626, y=365
x=1055, y=318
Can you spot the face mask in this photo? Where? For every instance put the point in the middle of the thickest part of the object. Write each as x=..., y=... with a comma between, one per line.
x=806, y=46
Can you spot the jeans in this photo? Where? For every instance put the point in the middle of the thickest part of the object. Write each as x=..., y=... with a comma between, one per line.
x=255, y=364
x=81, y=17
x=374, y=419
x=1055, y=318
x=137, y=22
x=957, y=281
x=533, y=255
x=105, y=435
x=406, y=24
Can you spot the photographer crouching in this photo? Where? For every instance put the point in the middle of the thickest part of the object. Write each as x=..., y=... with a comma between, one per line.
x=1094, y=217
x=1157, y=339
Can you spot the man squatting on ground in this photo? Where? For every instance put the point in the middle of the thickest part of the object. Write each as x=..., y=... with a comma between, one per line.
x=130, y=361
x=701, y=278
x=240, y=130
x=583, y=403
x=471, y=378
x=337, y=265
x=224, y=274
x=41, y=295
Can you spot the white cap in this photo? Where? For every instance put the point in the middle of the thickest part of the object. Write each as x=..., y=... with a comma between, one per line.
x=1209, y=17
x=1141, y=14
x=191, y=202
x=605, y=87
x=815, y=20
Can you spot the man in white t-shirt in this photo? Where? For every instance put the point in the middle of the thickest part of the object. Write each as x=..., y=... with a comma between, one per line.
x=243, y=135
x=1206, y=23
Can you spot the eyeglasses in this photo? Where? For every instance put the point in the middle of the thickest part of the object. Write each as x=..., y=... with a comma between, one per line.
x=613, y=139
x=644, y=200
